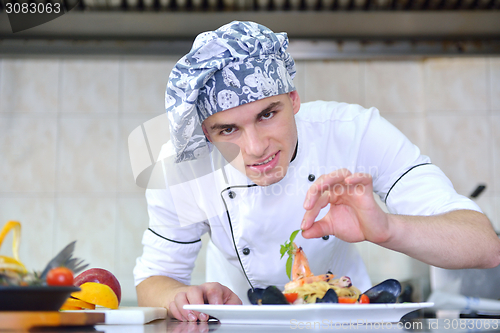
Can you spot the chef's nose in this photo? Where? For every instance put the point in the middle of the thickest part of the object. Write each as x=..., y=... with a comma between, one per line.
x=255, y=143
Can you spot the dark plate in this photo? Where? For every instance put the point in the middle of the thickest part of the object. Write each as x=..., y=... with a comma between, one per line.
x=42, y=298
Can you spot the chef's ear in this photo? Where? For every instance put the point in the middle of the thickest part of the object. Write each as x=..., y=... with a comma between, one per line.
x=295, y=98
x=206, y=132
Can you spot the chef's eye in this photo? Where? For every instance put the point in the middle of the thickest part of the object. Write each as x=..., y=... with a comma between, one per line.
x=268, y=115
x=227, y=131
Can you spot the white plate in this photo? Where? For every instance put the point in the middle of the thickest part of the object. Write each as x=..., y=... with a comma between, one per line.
x=308, y=313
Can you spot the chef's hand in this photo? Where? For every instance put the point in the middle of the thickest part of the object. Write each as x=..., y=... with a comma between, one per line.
x=206, y=293
x=191, y=327
x=354, y=216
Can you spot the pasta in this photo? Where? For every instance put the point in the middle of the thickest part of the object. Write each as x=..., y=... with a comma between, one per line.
x=305, y=287
x=309, y=292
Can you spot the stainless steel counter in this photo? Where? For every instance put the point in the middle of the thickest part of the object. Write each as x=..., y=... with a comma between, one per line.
x=425, y=325
x=173, y=326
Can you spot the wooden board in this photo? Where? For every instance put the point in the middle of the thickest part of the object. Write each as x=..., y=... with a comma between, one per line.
x=29, y=319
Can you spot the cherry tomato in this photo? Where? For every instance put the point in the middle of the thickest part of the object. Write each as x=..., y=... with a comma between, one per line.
x=363, y=299
x=60, y=276
x=349, y=300
x=291, y=297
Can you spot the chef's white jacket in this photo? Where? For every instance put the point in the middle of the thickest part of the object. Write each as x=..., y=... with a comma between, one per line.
x=247, y=223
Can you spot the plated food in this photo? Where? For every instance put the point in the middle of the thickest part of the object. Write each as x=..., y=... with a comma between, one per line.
x=306, y=288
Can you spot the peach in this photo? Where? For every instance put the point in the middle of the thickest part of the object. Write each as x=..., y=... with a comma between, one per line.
x=69, y=307
x=102, y=276
x=98, y=294
x=73, y=302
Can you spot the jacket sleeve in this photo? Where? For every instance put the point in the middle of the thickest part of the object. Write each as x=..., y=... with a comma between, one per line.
x=403, y=178
x=172, y=241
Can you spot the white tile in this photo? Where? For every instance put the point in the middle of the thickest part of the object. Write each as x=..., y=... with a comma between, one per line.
x=90, y=86
x=126, y=181
x=412, y=126
x=299, y=79
x=1, y=81
x=456, y=84
x=495, y=219
x=129, y=295
x=144, y=84
x=459, y=145
x=394, y=86
x=29, y=85
x=132, y=221
x=495, y=83
x=488, y=204
x=91, y=222
x=87, y=155
x=36, y=215
x=28, y=153
x=333, y=81
x=495, y=135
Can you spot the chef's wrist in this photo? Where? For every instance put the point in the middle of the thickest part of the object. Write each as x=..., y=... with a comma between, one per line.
x=387, y=234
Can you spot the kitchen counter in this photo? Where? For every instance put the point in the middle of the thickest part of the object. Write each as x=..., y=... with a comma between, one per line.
x=425, y=325
x=173, y=326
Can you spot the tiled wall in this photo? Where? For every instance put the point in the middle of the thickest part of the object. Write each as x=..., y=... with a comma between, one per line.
x=64, y=123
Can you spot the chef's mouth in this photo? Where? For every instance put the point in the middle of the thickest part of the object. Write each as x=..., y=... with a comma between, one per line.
x=269, y=159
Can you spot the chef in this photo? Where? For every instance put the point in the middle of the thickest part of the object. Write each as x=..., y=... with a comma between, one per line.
x=249, y=163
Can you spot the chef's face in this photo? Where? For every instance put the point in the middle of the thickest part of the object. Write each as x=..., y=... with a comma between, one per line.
x=265, y=132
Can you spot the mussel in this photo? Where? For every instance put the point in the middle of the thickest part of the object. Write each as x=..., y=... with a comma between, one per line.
x=255, y=295
x=329, y=297
x=385, y=292
x=270, y=295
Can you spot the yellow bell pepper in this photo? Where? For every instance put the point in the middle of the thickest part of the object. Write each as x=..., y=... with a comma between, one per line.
x=8, y=263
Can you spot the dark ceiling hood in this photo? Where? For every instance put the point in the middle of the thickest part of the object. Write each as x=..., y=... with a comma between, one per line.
x=298, y=24
x=316, y=28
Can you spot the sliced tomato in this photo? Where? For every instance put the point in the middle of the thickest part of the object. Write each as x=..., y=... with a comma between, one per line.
x=348, y=300
x=60, y=276
x=363, y=299
x=291, y=297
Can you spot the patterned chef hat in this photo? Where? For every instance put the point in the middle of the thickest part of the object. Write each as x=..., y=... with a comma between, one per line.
x=239, y=63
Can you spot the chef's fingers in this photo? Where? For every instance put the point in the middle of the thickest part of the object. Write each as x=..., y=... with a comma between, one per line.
x=190, y=327
x=199, y=327
x=364, y=179
x=324, y=183
x=174, y=312
x=360, y=190
x=180, y=328
x=213, y=293
x=318, y=229
x=196, y=295
x=230, y=297
x=216, y=293
x=194, y=327
x=180, y=300
x=312, y=213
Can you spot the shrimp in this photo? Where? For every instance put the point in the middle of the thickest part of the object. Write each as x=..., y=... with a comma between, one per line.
x=301, y=273
x=300, y=268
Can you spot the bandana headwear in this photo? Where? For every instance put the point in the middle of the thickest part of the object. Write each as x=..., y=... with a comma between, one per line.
x=240, y=62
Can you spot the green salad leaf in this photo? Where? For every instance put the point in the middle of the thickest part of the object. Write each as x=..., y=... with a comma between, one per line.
x=287, y=248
